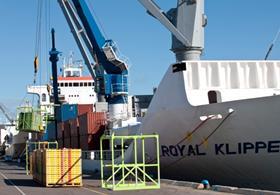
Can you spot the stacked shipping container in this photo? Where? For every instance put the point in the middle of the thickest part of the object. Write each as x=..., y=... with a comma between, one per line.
x=82, y=131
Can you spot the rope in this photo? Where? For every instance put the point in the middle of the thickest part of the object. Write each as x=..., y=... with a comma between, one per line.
x=194, y=130
x=212, y=133
x=37, y=50
x=38, y=27
x=189, y=135
x=184, y=156
x=47, y=35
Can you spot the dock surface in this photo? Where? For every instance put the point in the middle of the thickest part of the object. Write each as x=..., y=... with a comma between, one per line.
x=14, y=181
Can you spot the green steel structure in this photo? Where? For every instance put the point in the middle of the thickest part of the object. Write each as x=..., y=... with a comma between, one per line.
x=31, y=146
x=30, y=119
x=125, y=173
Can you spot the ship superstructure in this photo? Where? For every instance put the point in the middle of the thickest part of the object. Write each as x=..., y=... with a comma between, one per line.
x=74, y=88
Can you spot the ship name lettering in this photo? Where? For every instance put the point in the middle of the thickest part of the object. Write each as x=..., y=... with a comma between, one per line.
x=222, y=149
x=273, y=146
x=178, y=150
x=218, y=149
x=247, y=147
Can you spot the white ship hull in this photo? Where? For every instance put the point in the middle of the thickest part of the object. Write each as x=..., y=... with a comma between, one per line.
x=240, y=148
x=16, y=143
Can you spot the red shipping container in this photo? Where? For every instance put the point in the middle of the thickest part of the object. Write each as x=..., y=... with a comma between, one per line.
x=67, y=143
x=74, y=125
x=84, y=108
x=60, y=129
x=84, y=142
x=67, y=131
x=74, y=142
x=91, y=122
x=60, y=143
x=90, y=141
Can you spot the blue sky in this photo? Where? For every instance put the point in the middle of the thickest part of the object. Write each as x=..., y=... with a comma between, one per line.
x=237, y=29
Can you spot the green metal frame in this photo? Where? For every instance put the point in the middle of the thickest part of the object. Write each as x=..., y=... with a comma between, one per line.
x=141, y=178
x=29, y=119
x=37, y=146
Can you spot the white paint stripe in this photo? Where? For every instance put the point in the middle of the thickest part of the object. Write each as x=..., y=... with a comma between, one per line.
x=22, y=193
x=94, y=191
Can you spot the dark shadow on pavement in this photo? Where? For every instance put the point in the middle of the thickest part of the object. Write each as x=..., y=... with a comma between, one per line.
x=18, y=173
x=21, y=165
x=92, y=176
x=22, y=182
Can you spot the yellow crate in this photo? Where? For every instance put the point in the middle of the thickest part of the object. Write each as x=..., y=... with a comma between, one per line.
x=61, y=170
x=56, y=167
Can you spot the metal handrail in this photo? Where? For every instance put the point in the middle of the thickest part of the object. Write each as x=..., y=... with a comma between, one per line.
x=96, y=154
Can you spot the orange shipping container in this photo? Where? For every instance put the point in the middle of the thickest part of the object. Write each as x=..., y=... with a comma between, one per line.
x=92, y=122
x=84, y=108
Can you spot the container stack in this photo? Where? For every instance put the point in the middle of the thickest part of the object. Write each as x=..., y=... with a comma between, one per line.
x=91, y=126
x=57, y=167
x=74, y=133
x=80, y=129
x=67, y=134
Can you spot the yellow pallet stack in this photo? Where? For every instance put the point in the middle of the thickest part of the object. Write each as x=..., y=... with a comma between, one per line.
x=57, y=167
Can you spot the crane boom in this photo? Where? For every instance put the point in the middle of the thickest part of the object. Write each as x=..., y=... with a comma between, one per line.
x=78, y=33
x=4, y=111
x=155, y=11
x=109, y=71
x=186, y=22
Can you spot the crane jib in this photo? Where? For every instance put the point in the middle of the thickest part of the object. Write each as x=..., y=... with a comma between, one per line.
x=95, y=36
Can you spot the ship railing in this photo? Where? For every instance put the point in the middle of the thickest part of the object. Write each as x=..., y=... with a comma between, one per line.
x=96, y=154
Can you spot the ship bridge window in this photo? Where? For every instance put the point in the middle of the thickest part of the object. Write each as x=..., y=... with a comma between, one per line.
x=214, y=97
x=76, y=73
x=89, y=84
x=76, y=84
x=68, y=73
x=44, y=97
x=85, y=84
x=61, y=84
x=66, y=84
x=70, y=84
x=81, y=84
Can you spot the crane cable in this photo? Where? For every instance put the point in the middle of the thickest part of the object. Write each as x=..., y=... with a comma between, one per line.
x=47, y=35
x=37, y=51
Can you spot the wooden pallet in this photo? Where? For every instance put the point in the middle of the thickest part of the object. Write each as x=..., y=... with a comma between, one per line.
x=52, y=185
x=55, y=185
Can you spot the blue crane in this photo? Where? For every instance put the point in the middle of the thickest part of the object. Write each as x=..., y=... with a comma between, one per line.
x=101, y=55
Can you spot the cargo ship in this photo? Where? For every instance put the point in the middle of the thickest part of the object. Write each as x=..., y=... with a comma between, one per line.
x=217, y=120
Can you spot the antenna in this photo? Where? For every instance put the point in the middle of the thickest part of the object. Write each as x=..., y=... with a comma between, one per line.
x=272, y=44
